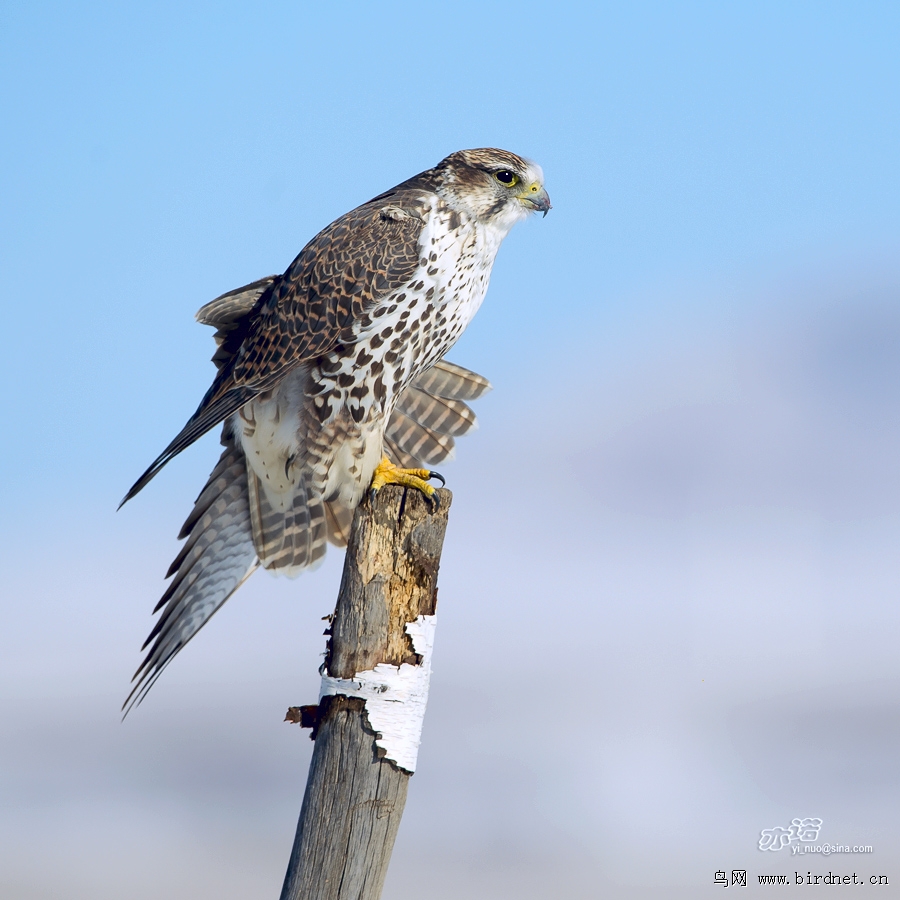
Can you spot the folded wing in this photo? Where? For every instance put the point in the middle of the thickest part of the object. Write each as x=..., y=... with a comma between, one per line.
x=218, y=554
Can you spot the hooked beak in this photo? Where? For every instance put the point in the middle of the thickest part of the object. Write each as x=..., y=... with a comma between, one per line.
x=536, y=197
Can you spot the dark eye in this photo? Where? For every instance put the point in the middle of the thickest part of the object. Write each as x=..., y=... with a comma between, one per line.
x=506, y=177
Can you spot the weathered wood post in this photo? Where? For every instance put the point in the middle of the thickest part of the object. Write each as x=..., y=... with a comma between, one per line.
x=374, y=689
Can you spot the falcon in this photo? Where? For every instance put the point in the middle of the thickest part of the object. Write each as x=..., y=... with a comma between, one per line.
x=331, y=381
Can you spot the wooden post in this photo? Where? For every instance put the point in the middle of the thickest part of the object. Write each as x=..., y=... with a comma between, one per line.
x=355, y=792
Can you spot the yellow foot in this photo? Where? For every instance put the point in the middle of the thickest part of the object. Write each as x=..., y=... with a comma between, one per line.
x=388, y=473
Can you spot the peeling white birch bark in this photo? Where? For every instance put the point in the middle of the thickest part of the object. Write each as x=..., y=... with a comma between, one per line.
x=395, y=696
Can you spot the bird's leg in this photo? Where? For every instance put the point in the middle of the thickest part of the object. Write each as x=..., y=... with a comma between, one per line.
x=388, y=473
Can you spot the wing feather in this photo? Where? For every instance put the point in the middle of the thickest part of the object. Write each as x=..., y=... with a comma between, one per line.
x=227, y=312
x=341, y=275
x=206, y=417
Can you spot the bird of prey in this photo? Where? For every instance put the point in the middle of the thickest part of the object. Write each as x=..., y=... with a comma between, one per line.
x=331, y=380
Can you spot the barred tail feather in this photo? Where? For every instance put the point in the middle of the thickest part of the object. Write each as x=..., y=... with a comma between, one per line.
x=216, y=559
x=430, y=413
x=289, y=531
x=337, y=524
x=450, y=417
x=452, y=382
x=428, y=447
x=398, y=456
x=236, y=525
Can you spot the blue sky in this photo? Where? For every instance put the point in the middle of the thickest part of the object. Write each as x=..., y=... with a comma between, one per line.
x=706, y=326
x=156, y=157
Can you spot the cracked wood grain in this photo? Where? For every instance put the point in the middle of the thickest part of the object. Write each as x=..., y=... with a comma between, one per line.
x=354, y=797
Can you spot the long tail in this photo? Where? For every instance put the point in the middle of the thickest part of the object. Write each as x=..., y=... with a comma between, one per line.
x=217, y=558
x=219, y=552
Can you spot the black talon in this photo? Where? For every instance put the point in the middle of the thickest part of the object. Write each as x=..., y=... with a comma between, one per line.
x=438, y=475
x=435, y=500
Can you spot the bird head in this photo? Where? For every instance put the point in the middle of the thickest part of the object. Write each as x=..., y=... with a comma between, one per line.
x=493, y=186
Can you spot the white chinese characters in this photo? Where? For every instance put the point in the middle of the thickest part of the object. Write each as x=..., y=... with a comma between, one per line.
x=799, y=830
